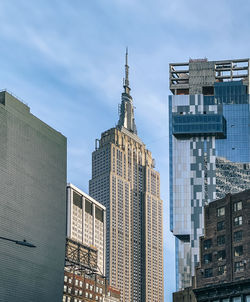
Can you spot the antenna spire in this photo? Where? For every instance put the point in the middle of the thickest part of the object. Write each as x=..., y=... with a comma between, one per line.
x=126, y=81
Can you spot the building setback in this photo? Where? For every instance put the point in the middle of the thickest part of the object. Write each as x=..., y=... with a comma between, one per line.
x=224, y=270
x=125, y=182
x=32, y=205
x=209, y=137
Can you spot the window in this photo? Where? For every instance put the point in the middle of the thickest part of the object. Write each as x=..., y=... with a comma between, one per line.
x=239, y=266
x=221, y=240
x=238, y=251
x=65, y=278
x=221, y=211
x=70, y=280
x=207, y=258
x=100, y=290
x=69, y=290
x=86, y=295
x=207, y=244
x=220, y=225
x=97, y=289
x=90, y=296
x=237, y=206
x=80, y=292
x=65, y=288
x=238, y=220
x=87, y=285
x=91, y=287
x=238, y=236
x=221, y=269
x=236, y=299
x=96, y=298
x=76, y=282
x=208, y=272
x=221, y=255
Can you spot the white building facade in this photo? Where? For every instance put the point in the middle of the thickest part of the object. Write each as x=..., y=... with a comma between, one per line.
x=86, y=222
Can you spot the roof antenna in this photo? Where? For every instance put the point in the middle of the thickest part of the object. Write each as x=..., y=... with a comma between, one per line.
x=126, y=80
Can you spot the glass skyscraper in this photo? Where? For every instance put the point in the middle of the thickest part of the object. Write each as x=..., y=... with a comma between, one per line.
x=209, y=139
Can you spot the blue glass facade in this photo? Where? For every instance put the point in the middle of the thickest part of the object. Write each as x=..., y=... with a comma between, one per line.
x=199, y=125
x=236, y=147
x=209, y=141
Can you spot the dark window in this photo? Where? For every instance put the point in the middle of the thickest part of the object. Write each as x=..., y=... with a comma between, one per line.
x=77, y=200
x=207, y=90
x=221, y=255
x=238, y=251
x=221, y=240
x=88, y=207
x=207, y=258
x=221, y=269
x=238, y=266
x=208, y=272
x=207, y=244
x=220, y=225
x=99, y=214
x=238, y=236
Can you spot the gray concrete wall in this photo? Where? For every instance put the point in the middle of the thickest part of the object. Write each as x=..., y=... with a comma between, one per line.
x=32, y=205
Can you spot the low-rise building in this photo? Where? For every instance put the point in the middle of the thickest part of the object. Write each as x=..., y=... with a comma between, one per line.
x=224, y=270
x=81, y=287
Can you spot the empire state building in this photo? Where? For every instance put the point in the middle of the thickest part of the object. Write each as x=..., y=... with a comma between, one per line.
x=125, y=182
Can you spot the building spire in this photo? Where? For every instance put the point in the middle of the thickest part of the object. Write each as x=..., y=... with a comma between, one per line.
x=126, y=80
x=126, y=109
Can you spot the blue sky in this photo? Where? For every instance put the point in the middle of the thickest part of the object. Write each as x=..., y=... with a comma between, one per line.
x=65, y=58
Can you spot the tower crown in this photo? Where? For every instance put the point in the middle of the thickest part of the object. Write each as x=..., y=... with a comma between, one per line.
x=126, y=118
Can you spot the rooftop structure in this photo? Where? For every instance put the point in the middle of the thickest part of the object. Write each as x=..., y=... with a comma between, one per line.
x=199, y=76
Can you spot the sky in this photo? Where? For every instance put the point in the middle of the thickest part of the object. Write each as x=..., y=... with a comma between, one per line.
x=65, y=59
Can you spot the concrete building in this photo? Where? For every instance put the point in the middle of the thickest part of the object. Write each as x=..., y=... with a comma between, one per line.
x=32, y=205
x=209, y=141
x=224, y=270
x=86, y=222
x=125, y=182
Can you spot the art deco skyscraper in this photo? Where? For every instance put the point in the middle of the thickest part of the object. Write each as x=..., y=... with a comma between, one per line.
x=125, y=182
x=209, y=117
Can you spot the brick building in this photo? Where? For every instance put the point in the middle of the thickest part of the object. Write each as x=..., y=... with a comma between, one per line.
x=84, y=288
x=224, y=270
